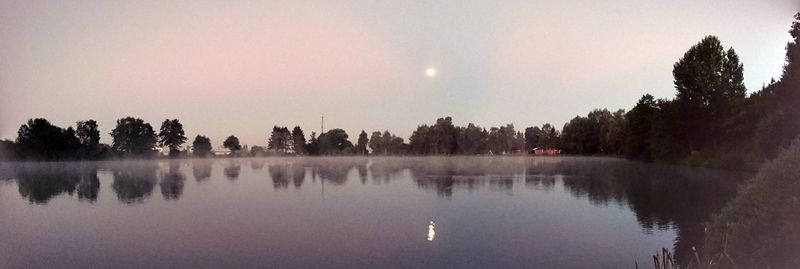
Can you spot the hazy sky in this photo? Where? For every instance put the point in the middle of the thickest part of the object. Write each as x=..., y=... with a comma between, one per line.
x=240, y=67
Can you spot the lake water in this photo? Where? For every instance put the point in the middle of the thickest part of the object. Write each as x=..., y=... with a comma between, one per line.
x=351, y=212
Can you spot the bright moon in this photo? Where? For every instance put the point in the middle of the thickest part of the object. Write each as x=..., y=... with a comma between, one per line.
x=430, y=72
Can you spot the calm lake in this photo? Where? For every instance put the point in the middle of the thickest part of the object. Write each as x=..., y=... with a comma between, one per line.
x=352, y=212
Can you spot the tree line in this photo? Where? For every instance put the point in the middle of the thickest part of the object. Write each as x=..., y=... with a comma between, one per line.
x=711, y=117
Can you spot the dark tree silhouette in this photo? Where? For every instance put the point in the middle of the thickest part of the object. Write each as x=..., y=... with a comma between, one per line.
x=201, y=146
x=312, y=148
x=232, y=143
x=89, y=138
x=133, y=136
x=172, y=136
x=334, y=142
x=709, y=84
x=361, y=146
x=40, y=140
x=298, y=141
x=280, y=139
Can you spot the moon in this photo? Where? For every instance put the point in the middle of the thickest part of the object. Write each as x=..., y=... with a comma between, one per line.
x=430, y=72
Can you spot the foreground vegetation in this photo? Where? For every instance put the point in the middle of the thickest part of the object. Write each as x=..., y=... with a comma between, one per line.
x=759, y=228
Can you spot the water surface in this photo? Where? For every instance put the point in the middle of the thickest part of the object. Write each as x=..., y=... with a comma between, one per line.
x=353, y=212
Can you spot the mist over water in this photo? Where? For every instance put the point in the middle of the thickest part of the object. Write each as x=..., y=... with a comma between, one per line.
x=354, y=212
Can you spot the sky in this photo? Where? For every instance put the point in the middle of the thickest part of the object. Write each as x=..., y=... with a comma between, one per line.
x=239, y=67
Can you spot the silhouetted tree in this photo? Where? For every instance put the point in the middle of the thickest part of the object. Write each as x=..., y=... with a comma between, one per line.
x=361, y=146
x=298, y=141
x=709, y=83
x=40, y=140
x=172, y=136
x=472, y=140
x=8, y=150
x=376, y=143
x=420, y=141
x=639, y=128
x=312, y=148
x=89, y=138
x=532, y=137
x=201, y=146
x=280, y=139
x=133, y=136
x=232, y=143
x=334, y=142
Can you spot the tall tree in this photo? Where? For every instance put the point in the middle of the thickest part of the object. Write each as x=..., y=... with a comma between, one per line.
x=640, y=127
x=201, y=146
x=232, y=143
x=172, y=136
x=532, y=137
x=280, y=139
x=88, y=134
x=361, y=146
x=298, y=140
x=89, y=138
x=133, y=136
x=709, y=83
x=376, y=143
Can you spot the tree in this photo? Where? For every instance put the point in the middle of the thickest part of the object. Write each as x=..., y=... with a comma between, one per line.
x=40, y=140
x=532, y=137
x=550, y=136
x=419, y=142
x=88, y=134
x=376, y=143
x=280, y=139
x=472, y=140
x=361, y=146
x=232, y=143
x=334, y=142
x=133, y=136
x=780, y=126
x=172, y=136
x=298, y=140
x=312, y=148
x=201, y=146
x=444, y=136
x=710, y=86
x=8, y=150
x=640, y=127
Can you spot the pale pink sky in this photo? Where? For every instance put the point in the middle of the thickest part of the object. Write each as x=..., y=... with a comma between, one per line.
x=240, y=67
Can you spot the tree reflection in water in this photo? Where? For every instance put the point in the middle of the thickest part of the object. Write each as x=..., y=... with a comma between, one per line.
x=201, y=170
x=660, y=196
x=232, y=170
x=133, y=182
x=171, y=183
x=38, y=183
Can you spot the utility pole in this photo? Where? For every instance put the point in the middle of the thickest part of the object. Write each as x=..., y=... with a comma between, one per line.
x=322, y=124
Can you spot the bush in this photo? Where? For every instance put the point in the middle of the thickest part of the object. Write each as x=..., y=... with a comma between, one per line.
x=760, y=228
